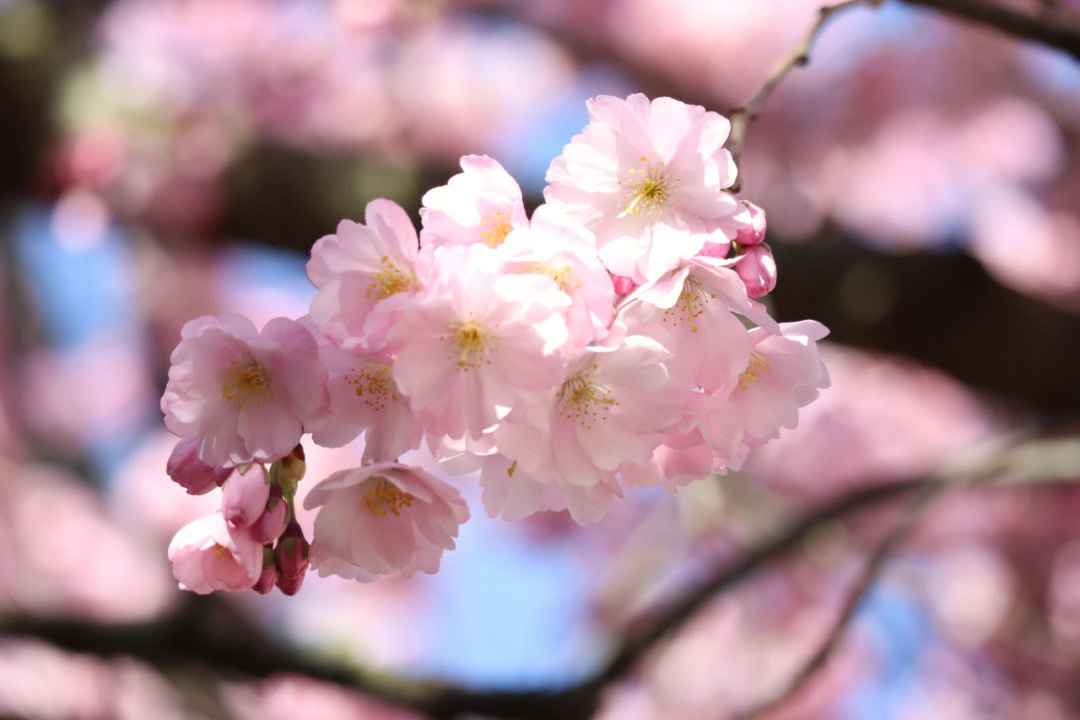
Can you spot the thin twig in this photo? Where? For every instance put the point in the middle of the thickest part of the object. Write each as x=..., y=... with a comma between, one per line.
x=871, y=571
x=796, y=57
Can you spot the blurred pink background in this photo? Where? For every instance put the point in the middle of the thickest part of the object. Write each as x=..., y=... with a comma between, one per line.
x=171, y=158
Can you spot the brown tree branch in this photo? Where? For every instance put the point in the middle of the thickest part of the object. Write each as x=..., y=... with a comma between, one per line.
x=1052, y=26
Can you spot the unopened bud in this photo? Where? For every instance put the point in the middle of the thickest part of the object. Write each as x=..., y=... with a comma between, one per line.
x=292, y=552
x=757, y=268
x=623, y=285
x=271, y=523
x=290, y=585
x=191, y=473
x=244, y=496
x=268, y=577
x=755, y=234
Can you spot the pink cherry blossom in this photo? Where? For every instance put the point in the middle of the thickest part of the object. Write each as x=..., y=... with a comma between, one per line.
x=558, y=247
x=514, y=495
x=648, y=178
x=364, y=397
x=482, y=204
x=608, y=416
x=690, y=311
x=782, y=375
x=191, y=473
x=209, y=555
x=477, y=341
x=363, y=274
x=244, y=496
x=383, y=518
x=242, y=394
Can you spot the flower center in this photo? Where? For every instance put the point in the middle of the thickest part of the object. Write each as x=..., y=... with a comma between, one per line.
x=375, y=386
x=494, y=228
x=755, y=367
x=691, y=304
x=563, y=275
x=585, y=401
x=649, y=189
x=244, y=381
x=384, y=497
x=390, y=280
x=471, y=341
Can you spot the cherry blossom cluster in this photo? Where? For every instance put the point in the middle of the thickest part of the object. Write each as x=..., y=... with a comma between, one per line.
x=610, y=341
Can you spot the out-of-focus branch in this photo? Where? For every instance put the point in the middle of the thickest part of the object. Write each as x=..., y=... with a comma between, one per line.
x=1052, y=26
x=213, y=634
x=796, y=57
x=869, y=575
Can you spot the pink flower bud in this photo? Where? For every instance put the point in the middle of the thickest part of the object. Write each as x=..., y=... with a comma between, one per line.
x=757, y=269
x=191, y=473
x=715, y=250
x=290, y=585
x=271, y=523
x=245, y=495
x=292, y=552
x=754, y=234
x=623, y=285
x=268, y=578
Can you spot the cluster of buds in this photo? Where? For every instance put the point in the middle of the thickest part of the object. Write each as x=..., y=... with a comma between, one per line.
x=610, y=341
x=255, y=541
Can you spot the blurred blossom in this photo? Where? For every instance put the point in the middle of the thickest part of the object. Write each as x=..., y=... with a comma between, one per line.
x=63, y=555
x=971, y=590
x=79, y=220
x=463, y=85
x=146, y=501
x=1028, y=247
x=284, y=697
x=58, y=403
x=1064, y=595
x=40, y=681
x=882, y=418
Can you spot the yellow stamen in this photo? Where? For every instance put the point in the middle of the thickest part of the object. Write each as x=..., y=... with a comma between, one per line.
x=585, y=401
x=384, y=497
x=375, y=386
x=390, y=280
x=650, y=189
x=563, y=275
x=495, y=227
x=691, y=304
x=244, y=381
x=471, y=340
x=755, y=367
